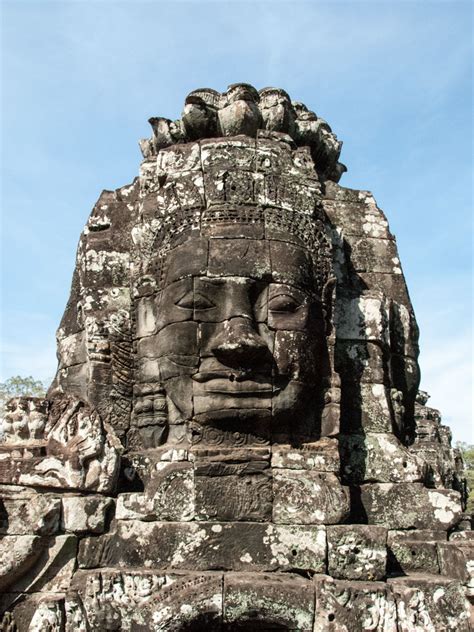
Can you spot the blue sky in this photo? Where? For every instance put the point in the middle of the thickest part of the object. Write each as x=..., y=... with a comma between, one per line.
x=393, y=79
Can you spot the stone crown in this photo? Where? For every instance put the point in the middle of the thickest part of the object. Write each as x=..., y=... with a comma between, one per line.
x=244, y=110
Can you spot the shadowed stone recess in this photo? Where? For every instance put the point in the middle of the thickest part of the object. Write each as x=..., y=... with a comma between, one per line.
x=234, y=438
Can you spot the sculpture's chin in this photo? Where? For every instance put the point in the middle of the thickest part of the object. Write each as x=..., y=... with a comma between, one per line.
x=232, y=416
x=232, y=427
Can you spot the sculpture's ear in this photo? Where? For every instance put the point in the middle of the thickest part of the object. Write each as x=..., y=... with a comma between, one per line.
x=329, y=299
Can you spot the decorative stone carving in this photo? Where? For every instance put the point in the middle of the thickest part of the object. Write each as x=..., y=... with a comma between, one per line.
x=57, y=443
x=234, y=438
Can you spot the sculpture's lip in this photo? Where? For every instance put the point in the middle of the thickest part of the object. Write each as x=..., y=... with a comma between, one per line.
x=231, y=376
x=236, y=383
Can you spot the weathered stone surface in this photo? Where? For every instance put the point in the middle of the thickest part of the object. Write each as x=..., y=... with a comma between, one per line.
x=17, y=555
x=414, y=551
x=235, y=546
x=233, y=496
x=378, y=457
x=85, y=514
x=35, y=613
x=359, y=362
x=357, y=552
x=144, y=599
x=141, y=467
x=169, y=495
x=29, y=565
x=353, y=605
x=456, y=559
x=366, y=408
x=80, y=451
x=308, y=497
x=461, y=536
x=410, y=506
x=321, y=456
x=429, y=603
x=266, y=600
x=25, y=513
x=193, y=600
x=364, y=319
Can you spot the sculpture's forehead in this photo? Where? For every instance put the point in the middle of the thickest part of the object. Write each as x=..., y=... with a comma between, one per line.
x=267, y=259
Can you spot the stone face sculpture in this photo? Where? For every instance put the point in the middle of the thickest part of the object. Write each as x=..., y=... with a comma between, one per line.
x=234, y=439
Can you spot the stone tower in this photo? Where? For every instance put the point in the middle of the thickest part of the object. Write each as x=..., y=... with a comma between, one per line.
x=234, y=439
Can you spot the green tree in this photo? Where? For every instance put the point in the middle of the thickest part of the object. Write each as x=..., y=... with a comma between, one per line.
x=18, y=386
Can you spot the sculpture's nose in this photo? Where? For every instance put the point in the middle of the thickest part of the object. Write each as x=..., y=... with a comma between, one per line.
x=238, y=344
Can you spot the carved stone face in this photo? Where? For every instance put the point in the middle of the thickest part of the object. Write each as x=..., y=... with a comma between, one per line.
x=238, y=332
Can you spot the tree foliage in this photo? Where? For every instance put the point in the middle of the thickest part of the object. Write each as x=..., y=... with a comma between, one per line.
x=18, y=386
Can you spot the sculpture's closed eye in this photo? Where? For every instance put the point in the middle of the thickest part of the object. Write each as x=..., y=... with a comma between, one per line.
x=283, y=303
x=193, y=300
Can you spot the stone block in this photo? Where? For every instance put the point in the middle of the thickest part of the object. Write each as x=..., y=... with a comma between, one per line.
x=353, y=605
x=404, y=331
x=366, y=408
x=321, y=456
x=359, y=361
x=27, y=513
x=142, y=466
x=227, y=222
x=308, y=497
x=373, y=254
x=179, y=158
x=34, y=613
x=18, y=553
x=428, y=603
x=229, y=492
x=268, y=601
x=365, y=318
x=181, y=192
x=168, y=495
x=238, y=152
x=142, y=599
x=85, y=514
x=254, y=460
x=357, y=552
x=410, y=506
x=358, y=218
x=462, y=536
x=198, y=546
x=45, y=564
x=190, y=259
x=291, y=264
x=239, y=257
x=72, y=350
x=186, y=600
x=456, y=559
x=174, y=340
x=146, y=316
x=392, y=285
x=413, y=556
x=134, y=506
x=414, y=551
x=378, y=457
x=416, y=535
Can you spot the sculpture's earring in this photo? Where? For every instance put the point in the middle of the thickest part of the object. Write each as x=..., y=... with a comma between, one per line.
x=331, y=413
x=149, y=423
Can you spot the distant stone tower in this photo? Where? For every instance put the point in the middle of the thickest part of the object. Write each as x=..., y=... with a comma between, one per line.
x=234, y=439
